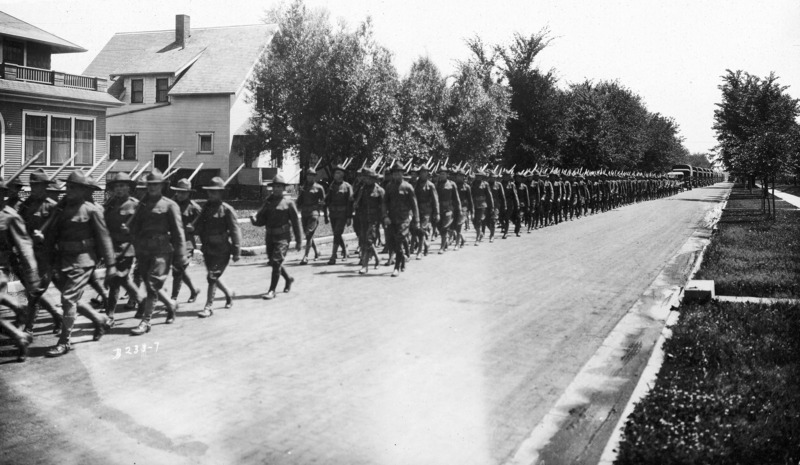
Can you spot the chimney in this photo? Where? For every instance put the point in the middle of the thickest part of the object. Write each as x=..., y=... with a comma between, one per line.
x=182, y=30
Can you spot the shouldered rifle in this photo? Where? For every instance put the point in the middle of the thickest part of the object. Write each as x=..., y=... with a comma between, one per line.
x=133, y=170
x=24, y=167
x=61, y=168
x=194, y=173
x=97, y=164
x=168, y=172
x=230, y=178
x=135, y=176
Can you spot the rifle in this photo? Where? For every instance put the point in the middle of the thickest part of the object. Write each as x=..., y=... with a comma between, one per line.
x=24, y=167
x=61, y=168
x=230, y=178
x=376, y=163
x=96, y=165
x=135, y=176
x=108, y=168
x=133, y=170
x=196, y=170
x=168, y=172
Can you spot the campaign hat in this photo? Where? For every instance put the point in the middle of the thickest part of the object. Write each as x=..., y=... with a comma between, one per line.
x=217, y=184
x=183, y=185
x=38, y=176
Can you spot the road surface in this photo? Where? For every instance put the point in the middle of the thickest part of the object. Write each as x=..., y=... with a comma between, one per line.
x=455, y=361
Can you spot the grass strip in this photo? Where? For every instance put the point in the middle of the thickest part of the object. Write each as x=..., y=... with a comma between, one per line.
x=727, y=392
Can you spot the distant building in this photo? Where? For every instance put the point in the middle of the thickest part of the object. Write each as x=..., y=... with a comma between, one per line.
x=184, y=91
x=46, y=111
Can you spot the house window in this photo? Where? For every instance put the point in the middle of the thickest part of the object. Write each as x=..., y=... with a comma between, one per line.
x=122, y=147
x=58, y=137
x=205, y=142
x=137, y=90
x=13, y=52
x=36, y=138
x=60, y=140
x=162, y=86
x=84, y=142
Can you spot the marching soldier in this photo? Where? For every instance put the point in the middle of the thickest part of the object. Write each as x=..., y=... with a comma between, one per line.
x=76, y=240
x=190, y=210
x=14, y=236
x=484, y=203
x=535, y=196
x=221, y=236
x=119, y=209
x=558, y=196
x=499, y=211
x=428, y=204
x=524, y=200
x=340, y=210
x=449, y=203
x=548, y=198
x=401, y=215
x=35, y=211
x=467, y=207
x=311, y=201
x=279, y=216
x=369, y=207
x=14, y=187
x=512, y=204
x=158, y=238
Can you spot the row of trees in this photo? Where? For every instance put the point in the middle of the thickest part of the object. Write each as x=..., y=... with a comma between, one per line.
x=330, y=92
x=757, y=129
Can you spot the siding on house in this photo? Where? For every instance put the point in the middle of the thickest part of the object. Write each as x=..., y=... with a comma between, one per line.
x=174, y=128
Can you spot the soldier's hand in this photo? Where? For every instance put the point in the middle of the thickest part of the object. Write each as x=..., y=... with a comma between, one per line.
x=349, y=221
x=298, y=245
x=111, y=274
x=236, y=258
x=327, y=220
x=190, y=227
x=124, y=227
x=253, y=219
x=191, y=253
x=387, y=222
x=38, y=237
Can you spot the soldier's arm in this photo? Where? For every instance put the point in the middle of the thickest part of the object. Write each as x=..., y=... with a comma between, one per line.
x=234, y=231
x=414, y=206
x=24, y=245
x=294, y=218
x=176, y=232
x=260, y=217
x=102, y=239
x=456, y=200
x=349, y=207
x=198, y=226
x=471, y=204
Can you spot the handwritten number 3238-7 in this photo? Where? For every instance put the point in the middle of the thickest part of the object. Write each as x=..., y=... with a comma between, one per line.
x=133, y=350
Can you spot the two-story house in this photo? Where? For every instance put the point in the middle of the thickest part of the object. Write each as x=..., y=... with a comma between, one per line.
x=45, y=111
x=185, y=91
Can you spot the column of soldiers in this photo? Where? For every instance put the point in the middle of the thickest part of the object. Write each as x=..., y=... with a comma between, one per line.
x=141, y=240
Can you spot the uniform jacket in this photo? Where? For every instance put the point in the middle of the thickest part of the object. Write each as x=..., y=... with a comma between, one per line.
x=427, y=198
x=78, y=235
x=499, y=195
x=370, y=204
x=218, y=229
x=280, y=217
x=482, y=195
x=448, y=196
x=157, y=228
x=523, y=195
x=512, y=201
x=117, y=214
x=14, y=239
x=311, y=199
x=400, y=202
x=190, y=210
x=465, y=196
x=340, y=200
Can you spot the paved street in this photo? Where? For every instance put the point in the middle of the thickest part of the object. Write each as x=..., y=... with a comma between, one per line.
x=454, y=362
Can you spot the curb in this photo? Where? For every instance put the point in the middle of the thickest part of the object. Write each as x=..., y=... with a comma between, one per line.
x=650, y=373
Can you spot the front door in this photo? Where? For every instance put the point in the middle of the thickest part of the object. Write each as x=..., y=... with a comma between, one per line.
x=161, y=160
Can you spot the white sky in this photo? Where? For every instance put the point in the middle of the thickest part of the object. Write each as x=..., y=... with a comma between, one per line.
x=672, y=53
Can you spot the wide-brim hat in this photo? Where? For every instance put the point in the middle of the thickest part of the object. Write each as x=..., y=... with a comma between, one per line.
x=480, y=173
x=311, y=172
x=155, y=176
x=397, y=166
x=217, y=184
x=79, y=178
x=279, y=179
x=120, y=178
x=339, y=168
x=56, y=186
x=183, y=185
x=38, y=176
x=369, y=172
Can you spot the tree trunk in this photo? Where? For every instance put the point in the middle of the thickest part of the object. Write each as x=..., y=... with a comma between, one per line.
x=774, y=212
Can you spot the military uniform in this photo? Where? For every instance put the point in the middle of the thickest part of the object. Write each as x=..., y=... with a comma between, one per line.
x=512, y=205
x=428, y=204
x=190, y=210
x=484, y=203
x=467, y=208
x=14, y=236
x=369, y=205
x=449, y=204
x=311, y=202
x=523, y=197
x=77, y=240
x=499, y=211
x=402, y=215
x=340, y=211
x=219, y=232
x=118, y=212
x=157, y=231
x=279, y=216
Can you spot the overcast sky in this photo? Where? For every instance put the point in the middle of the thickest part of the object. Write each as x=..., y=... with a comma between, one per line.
x=672, y=53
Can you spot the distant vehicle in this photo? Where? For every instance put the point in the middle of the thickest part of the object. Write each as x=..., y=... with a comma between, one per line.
x=689, y=175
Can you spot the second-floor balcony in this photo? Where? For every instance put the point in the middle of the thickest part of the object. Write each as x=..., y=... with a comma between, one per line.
x=52, y=78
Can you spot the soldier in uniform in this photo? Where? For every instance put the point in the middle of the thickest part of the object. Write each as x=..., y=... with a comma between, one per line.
x=512, y=204
x=35, y=211
x=190, y=210
x=467, y=207
x=221, y=236
x=280, y=217
x=449, y=203
x=484, y=204
x=311, y=201
x=340, y=210
x=558, y=196
x=428, y=204
x=76, y=240
x=523, y=197
x=369, y=205
x=499, y=211
x=535, y=195
x=119, y=209
x=14, y=236
x=401, y=214
x=14, y=187
x=157, y=231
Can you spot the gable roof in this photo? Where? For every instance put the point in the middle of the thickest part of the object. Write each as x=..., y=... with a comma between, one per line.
x=17, y=28
x=216, y=60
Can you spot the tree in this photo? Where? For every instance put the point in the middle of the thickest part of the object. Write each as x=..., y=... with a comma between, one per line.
x=421, y=101
x=756, y=126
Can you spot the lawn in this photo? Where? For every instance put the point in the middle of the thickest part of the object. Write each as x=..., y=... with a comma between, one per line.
x=727, y=391
x=754, y=256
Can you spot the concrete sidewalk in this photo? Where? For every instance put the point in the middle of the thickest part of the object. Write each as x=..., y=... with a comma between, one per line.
x=790, y=198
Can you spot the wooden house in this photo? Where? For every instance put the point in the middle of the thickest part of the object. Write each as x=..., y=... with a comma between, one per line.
x=43, y=110
x=184, y=91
